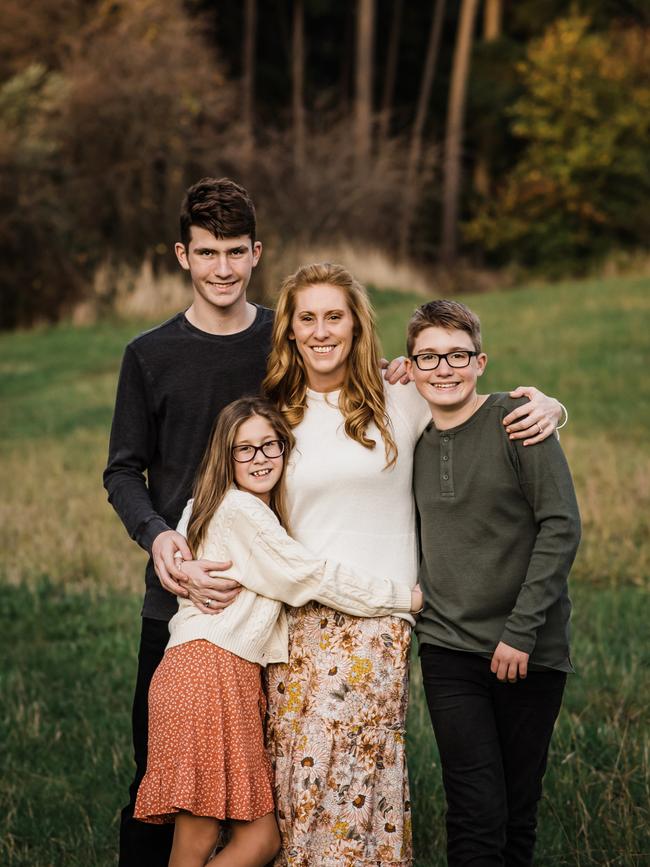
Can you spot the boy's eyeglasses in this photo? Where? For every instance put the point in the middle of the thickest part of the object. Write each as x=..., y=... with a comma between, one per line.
x=271, y=449
x=430, y=360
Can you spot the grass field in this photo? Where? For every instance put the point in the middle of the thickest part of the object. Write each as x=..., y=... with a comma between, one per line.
x=71, y=582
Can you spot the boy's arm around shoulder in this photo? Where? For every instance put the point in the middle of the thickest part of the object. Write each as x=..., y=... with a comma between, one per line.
x=269, y=562
x=546, y=482
x=132, y=445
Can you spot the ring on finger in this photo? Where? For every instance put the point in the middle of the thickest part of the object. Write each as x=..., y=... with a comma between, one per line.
x=540, y=429
x=207, y=603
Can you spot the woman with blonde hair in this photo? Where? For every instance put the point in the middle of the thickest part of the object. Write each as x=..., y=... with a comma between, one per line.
x=337, y=709
x=206, y=761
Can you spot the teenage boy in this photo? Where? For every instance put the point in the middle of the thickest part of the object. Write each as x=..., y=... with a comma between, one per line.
x=499, y=528
x=174, y=381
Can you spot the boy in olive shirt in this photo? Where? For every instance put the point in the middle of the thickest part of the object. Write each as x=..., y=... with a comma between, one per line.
x=499, y=531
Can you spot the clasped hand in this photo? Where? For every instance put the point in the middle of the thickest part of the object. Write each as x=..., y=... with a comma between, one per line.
x=192, y=579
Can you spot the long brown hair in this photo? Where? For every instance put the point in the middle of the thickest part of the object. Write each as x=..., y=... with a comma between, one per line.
x=362, y=400
x=216, y=473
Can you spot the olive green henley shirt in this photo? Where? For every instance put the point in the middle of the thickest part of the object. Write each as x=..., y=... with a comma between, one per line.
x=499, y=530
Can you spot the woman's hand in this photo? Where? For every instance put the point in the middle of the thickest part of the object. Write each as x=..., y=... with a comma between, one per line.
x=395, y=371
x=417, y=600
x=207, y=590
x=533, y=421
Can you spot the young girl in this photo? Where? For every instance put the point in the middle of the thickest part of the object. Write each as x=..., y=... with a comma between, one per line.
x=207, y=762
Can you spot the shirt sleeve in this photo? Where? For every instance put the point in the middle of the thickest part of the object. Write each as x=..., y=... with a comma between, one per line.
x=184, y=522
x=132, y=446
x=547, y=485
x=269, y=562
x=412, y=408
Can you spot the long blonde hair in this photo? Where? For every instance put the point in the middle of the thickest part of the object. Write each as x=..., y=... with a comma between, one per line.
x=362, y=400
x=216, y=473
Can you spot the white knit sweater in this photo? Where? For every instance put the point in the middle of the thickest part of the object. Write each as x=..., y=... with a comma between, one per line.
x=343, y=503
x=273, y=568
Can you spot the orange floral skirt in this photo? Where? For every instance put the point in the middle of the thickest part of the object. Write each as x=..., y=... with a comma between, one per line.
x=206, y=738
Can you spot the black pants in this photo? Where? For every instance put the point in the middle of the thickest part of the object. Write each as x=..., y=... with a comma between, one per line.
x=142, y=844
x=493, y=739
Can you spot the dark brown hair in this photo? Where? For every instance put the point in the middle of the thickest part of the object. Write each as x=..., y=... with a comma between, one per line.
x=220, y=206
x=216, y=475
x=445, y=314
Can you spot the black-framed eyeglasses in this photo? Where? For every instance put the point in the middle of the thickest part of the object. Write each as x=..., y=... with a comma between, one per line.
x=457, y=358
x=270, y=449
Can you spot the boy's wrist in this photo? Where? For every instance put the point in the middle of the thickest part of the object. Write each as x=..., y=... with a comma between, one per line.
x=148, y=532
x=520, y=642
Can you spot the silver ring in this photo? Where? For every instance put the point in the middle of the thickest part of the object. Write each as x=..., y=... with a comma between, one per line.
x=207, y=603
x=540, y=429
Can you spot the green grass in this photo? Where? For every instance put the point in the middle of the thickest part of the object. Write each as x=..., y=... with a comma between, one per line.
x=71, y=582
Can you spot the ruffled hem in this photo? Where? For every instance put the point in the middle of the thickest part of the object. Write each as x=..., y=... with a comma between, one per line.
x=311, y=858
x=164, y=793
x=342, y=794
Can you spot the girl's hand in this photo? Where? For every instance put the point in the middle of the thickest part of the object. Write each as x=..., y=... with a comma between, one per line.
x=508, y=662
x=417, y=600
x=534, y=421
x=207, y=590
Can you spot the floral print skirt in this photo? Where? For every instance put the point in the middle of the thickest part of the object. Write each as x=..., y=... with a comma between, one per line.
x=336, y=734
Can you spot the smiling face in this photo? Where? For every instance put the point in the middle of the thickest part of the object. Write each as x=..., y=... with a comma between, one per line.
x=446, y=389
x=323, y=327
x=220, y=268
x=262, y=474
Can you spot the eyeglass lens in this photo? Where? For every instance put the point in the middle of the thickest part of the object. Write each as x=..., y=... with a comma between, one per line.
x=271, y=449
x=430, y=360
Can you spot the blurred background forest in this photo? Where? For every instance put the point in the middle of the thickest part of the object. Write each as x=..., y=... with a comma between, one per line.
x=455, y=139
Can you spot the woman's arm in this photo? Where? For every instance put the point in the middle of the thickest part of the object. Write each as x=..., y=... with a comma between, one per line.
x=536, y=420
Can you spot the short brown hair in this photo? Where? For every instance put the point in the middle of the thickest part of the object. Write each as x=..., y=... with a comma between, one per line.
x=220, y=206
x=444, y=314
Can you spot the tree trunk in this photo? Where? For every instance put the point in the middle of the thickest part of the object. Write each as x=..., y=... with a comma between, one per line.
x=391, y=72
x=363, y=89
x=454, y=134
x=298, y=78
x=492, y=15
x=248, y=78
x=415, y=151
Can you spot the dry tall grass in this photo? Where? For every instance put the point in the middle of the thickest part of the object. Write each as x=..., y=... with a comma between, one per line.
x=56, y=522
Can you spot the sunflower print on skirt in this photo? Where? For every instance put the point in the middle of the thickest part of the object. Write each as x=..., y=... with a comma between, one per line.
x=336, y=734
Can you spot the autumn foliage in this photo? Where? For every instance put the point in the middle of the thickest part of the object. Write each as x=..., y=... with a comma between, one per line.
x=582, y=182
x=347, y=122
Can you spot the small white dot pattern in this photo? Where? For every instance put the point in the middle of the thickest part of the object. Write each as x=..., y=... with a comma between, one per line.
x=206, y=738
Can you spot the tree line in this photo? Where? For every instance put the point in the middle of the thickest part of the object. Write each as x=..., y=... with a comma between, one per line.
x=492, y=130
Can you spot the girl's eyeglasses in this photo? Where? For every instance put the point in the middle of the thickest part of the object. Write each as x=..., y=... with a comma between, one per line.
x=270, y=449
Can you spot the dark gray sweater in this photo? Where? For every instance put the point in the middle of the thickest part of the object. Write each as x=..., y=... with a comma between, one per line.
x=174, y=381
x=499, y=529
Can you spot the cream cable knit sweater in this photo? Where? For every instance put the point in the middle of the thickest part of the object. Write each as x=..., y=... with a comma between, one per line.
x=273, y=568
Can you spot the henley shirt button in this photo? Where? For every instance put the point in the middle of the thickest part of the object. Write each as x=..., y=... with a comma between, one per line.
x=446, y=477
x=445, y=457
x=445, y=439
